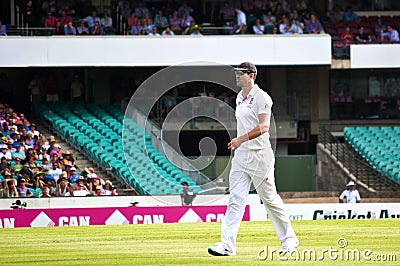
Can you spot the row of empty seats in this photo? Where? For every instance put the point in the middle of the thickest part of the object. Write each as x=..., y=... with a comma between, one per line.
x=380, y=146
x=117, y=142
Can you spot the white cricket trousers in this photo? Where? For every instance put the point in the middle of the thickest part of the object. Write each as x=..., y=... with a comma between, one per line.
x=257, y=167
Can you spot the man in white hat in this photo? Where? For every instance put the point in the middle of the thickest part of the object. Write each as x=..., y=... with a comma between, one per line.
x=350, y=195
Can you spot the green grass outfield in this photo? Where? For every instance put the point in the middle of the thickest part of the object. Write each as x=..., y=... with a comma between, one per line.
x=186, y=244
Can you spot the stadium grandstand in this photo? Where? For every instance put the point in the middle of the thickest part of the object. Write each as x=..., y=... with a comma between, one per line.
x=69, y=69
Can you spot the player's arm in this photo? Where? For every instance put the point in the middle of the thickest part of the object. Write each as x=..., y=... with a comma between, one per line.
x=342, y=197
x=261, y=128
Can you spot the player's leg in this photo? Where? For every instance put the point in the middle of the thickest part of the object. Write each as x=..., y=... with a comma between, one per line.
x=264, y=182
x=239, y=185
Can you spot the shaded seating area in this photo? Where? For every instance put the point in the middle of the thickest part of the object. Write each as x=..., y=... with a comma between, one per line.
x=118, y=144
x=380, y=146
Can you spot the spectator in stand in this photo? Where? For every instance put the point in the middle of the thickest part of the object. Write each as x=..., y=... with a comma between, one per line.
x=278, y=11
x=91, y=20
x=132, y=21
x=168, y=31
x=349, y=15
x=247, y=6
x=313, y=26
x=80, y=189
x=82, y=29
x=294, y=15
x=154, y=32
x=125, y=11
x=30, y=14
x=56, y=151
x=196, y=31
x=45, y=192
x=149, y=25
x=3, y=29
x=63, y=188
x=64, y=18
x=4, y=152
x=186, y=20
x=97, y=29
x=185, y=8
x=258, y=28
x=51, y=89
x=59, y=29
x=106, y=23
x=55, y=172
x=380, y=29
x=70, y=29
x=283, y=27
x=227, y=13
x=135, y=30
x=141, y=10
x=23, y=190
x=18, y=153
x=143, y=32
x=297, y=27
x=269, y=21
x=109, y=189
x=99, y=191
x=160, y=21
x=347, y=36
x=241, y=25
x=50, y=21
x=335, y=14
x=73, y=175
x=393, y=34
x=189, y=30
x=175, y=22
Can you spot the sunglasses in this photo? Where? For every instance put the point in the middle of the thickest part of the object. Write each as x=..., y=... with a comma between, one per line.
x=243, y=72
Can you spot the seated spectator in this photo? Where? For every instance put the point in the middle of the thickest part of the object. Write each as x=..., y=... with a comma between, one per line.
x=70, y=29
x=18, y=153
x=154, y=32
x=126, y=10
x=109, y=189
x=247, y=6
x=97, y=29
x=241, y=25
x=149, y=25
x=347, y=36
x=160, y=21
x=363, y=37
x=226, y=13
x=80, y=189
x=106, y=23
x=185, y=8
x=73, y=176
x=393, y=34
x=56, y=151
x=64, y=19
x=258, y=28
x=132, y=21
x=23, y=191
x=4, y=152
x=59, y=29
x=50, y=21
x=380, y=29
x=143, y=31
x=141, y=10
x=82, y=29
x=349, y=15
x=335, y=15
x=269, y=21
x=196, y=31
x=283, y=26
x=175, y=22
x=3, y=29
x=313, y=26
x=185, y=22
x=55, y=172
x=63, y=188
x=99, y=191
x=168, y=31
x=297, y=27
x=135, y=30
x=33, y=130
x=91, y=20
x=45, y=192
x=294, y=15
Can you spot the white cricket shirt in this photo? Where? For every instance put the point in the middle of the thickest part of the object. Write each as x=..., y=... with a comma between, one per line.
x=247, y=111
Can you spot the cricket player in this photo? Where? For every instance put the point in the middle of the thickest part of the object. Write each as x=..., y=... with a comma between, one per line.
x=253, y=162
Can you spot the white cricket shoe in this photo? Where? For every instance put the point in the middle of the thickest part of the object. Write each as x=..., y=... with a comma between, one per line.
x=220, y=250
x=288, y=247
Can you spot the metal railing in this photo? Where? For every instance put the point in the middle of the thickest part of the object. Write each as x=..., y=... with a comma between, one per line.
x=350, y=160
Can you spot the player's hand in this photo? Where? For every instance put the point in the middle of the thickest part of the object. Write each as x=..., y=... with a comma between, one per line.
x=234, y=144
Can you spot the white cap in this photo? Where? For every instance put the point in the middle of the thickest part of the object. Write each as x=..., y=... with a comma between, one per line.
x=351, y=183
x=73, y=168
x=3, y=146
